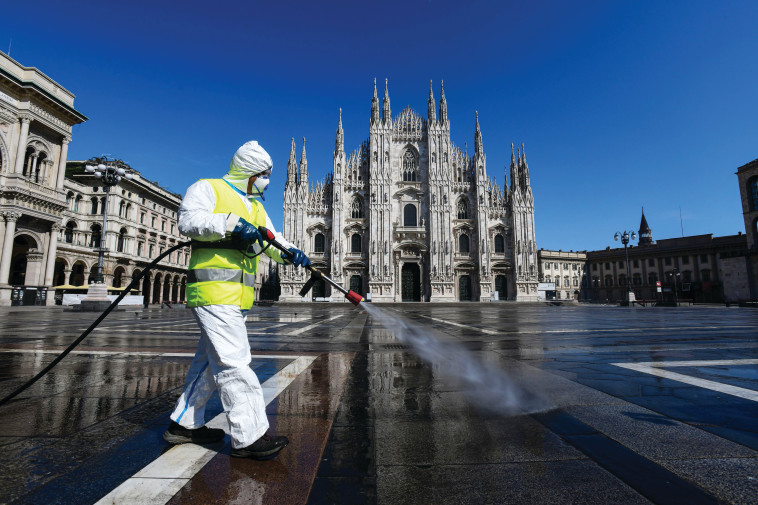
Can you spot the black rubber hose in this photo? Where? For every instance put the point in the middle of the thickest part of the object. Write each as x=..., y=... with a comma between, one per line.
x=107, y=311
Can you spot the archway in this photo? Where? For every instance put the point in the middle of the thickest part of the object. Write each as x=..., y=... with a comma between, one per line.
x=464, y=288
x=118, y=276
x=77, y=274
x=501, y=286
x=157, y=289
x=410, y=279
x=21, y=247
x=319, y=289
x=167, y=289
x=59, y=274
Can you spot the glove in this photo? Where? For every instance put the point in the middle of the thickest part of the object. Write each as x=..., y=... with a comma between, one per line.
x=297, y=258
x=245, y=233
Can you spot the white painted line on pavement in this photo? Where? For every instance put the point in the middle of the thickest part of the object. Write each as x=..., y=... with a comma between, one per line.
x=160, y=480
x=141, y=353
x=311, y=326
x=657, y=368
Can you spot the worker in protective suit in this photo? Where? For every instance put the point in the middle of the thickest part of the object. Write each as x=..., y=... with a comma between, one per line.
x=222, y=215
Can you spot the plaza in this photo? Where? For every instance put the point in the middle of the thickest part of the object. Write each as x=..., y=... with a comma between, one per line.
x=635, y=405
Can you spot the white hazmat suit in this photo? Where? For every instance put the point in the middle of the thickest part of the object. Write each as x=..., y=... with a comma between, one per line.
x=223, y=357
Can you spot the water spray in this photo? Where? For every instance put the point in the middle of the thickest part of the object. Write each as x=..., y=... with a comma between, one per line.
x=316, y=275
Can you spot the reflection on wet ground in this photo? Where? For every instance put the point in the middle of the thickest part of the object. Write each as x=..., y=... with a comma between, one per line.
x=370, y=422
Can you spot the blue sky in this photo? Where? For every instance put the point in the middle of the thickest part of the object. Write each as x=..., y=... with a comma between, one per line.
x=620, y=104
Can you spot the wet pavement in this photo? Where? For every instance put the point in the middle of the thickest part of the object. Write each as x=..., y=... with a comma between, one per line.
x=640, y=405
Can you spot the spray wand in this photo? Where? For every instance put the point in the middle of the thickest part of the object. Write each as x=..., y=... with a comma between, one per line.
x=351, y=295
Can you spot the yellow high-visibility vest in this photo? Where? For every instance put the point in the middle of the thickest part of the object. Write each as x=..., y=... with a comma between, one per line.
x=224, y=275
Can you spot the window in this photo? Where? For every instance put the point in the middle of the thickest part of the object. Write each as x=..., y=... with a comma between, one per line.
x=555, y=266
x=547, y=279
x=172, y=228
x=565, y=266
x=752, y=191
x=651, y=262
x=576, y=281
x=121, y=209
x=462, y=208
x=565, y=282
x=705, y=275
x=139, y=248
x=128, y=211
x=499, y=244
x=636, y=279
x=685, y=260
x=574, y=266
x=93, y=201
x=356, y=208
x=608, y=280
x=409, y=215
x=410, y=167
x=163, y=225
x=622, y=280
x=120, y=241
x=318, y=243
x=69, y=233
x=355, y=243
x=652, y=278
x=686, y=276
x=152, y=222
x=76, y=202
x=463, y=244
x=607, y=266
x=142, y=218
x=96, y=236
x=152, y=251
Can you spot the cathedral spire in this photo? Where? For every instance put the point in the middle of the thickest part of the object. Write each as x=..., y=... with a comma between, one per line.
x=303, y=167
x=291, y=167
x=515, y=179
x=432, y=109
x=525, y=167
x=478, y=147
x=443, y=103
x=375, y=106
x=340, y=142
x=386, y=114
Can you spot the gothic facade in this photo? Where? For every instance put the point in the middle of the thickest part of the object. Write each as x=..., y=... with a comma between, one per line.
x=409, y=216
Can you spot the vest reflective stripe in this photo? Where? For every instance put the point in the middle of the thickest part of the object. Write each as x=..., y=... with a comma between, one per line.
x=219, y=274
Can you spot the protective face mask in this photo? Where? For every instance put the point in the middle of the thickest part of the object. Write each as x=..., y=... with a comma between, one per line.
x=259, y=186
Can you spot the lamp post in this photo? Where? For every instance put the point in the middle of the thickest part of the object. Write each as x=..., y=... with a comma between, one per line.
x=625, y=236
x=111, y=175
x=674, y=275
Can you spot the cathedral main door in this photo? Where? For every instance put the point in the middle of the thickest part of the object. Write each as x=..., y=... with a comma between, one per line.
x=464, y=288
x=501, y=287
x=410, y=280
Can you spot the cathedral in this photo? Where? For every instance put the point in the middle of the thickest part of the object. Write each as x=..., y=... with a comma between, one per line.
x=409, y=217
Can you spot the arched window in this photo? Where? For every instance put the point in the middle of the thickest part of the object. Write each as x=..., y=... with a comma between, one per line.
x=120, y=242
x=608, y=280
x=410, y=167
x=69, y=198
x=122, y=209
x=463, y=244
x=76, y=202
x=318, y=243
x=409, y=215
x=499, y=243
x=96, y=236
x=752, y=191
x=355, y=243
x=652, y=278
x=69, y=234
x=462, y=208
x=128, y=211
x=38, y=176
x=356, y=208
x=94, y=205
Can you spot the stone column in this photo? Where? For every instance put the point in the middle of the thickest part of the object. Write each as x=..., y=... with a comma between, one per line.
x=67, y=276
x=10, y=232
x=51, y=252
x=21, y=149
x=62, y=163
x=33, y=267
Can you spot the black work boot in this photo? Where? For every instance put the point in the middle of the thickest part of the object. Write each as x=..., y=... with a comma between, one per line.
x=178, y=434
x=263, y=448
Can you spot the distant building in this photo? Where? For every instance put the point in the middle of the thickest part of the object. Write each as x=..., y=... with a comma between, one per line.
x=142, y=223
x=409, y=216
x=701, y=268
x=747, y=176
x=36, y=117
x=565, y=269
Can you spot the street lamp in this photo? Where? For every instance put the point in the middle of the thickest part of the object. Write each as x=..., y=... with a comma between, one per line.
x=625, y=236
x=111, y=175
x=674, y=275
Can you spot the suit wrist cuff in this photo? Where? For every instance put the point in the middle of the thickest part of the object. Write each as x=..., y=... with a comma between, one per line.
x=231, y=221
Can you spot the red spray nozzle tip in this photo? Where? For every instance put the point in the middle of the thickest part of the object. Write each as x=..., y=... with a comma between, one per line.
x=268, y=234
x=354, y=297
